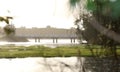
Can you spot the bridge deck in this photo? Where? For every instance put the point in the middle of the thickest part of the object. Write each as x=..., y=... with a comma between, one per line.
x=46, y=33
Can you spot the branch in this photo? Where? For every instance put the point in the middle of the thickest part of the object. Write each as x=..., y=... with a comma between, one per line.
x=109, y=33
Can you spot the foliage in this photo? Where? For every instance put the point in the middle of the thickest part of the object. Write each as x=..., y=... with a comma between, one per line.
x=74, y=2
x=105, y=12
x=8, y=28
x=90, y=5
x=41, y=51
x=105, y=7
x=102, y=26
x=5, y=19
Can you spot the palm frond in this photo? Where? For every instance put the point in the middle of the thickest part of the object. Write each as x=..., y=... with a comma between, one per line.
x=5, y=19
x=73, y=3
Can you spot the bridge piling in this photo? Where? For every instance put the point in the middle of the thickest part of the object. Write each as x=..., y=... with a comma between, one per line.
x=38, y=40
x=55, y=40
x=35, y=39
x=72, y=40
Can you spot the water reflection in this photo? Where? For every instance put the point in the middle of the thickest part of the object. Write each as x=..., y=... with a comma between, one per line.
x=40, y=64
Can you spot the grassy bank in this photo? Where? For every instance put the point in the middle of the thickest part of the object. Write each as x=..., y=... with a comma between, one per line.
x=41, y=51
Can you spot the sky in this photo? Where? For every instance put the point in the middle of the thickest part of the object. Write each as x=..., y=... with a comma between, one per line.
x=37, y=13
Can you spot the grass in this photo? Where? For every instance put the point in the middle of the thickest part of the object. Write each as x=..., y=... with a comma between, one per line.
x=41, y=51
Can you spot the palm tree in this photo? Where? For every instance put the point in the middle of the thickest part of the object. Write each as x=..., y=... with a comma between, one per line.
x=5, y=19
x=103, y=15
x=8, y=28
x=105, y=10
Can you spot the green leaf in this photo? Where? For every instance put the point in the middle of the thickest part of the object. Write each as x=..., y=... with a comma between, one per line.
x=115, y=9
x=91, y=5
x=74, y=2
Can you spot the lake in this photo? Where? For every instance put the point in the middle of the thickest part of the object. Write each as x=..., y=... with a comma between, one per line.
x=40, y=64
x=45, y=42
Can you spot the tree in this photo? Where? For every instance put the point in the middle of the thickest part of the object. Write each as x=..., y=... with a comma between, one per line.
x=8, y=28
x=106, y=14
x=102, y=21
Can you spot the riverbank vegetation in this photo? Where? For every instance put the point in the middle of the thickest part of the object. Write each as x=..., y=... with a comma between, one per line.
x=42, y=51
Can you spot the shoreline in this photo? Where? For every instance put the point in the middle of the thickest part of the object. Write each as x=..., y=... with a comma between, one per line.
x=26, y=44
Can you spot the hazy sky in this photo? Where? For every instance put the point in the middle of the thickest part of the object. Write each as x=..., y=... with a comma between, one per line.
x=38, y=13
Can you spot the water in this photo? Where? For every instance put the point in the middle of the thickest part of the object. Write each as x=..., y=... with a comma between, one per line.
x=49, y=41
x=40, y=64
x=44, y=42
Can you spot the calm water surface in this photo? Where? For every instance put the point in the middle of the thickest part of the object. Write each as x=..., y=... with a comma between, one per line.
x=45, y=42
x=39, y=64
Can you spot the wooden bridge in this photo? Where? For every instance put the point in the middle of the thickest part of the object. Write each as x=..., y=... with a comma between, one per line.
x=47, y=33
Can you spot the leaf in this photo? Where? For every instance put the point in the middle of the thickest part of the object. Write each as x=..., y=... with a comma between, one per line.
x=1, y=18
x=115, y=9
x=5, y=19
x=91, y=5
x=74, y=2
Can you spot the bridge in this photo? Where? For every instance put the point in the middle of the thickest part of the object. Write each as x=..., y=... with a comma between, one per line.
x=47, y=33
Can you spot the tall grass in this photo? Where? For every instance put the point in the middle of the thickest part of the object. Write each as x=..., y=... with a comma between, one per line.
x=41, y=51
